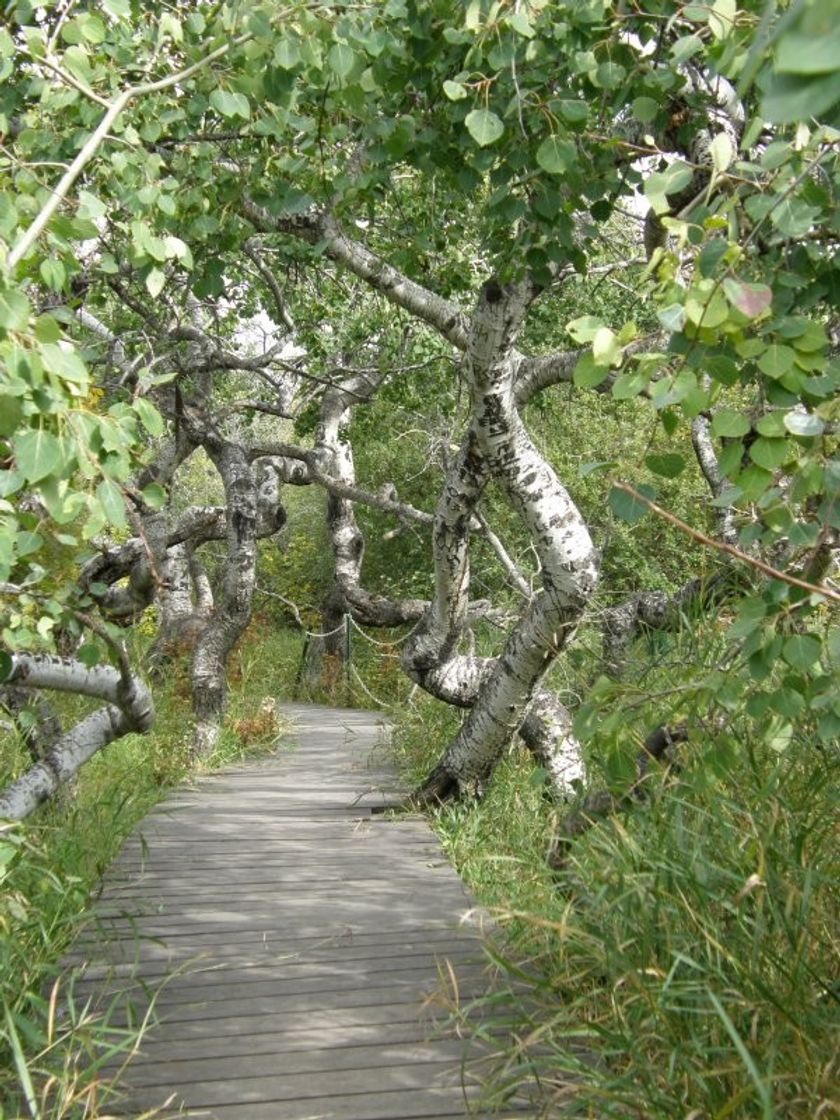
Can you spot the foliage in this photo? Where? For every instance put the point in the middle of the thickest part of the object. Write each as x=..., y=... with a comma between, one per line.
x=463, y=142
x=684, y=955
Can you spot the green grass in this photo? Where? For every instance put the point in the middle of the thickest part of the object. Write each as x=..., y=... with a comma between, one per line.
x=683, y=964
x=685, y=961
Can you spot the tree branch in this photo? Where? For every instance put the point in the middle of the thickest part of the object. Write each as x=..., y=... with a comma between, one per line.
x=445, y=317
x=730, y=550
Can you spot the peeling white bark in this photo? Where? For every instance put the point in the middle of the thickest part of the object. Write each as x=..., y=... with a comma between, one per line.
x=701, y=439
x=567, y=555
x=128, y=708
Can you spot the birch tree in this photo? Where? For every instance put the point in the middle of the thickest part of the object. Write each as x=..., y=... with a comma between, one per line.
x=269, y=137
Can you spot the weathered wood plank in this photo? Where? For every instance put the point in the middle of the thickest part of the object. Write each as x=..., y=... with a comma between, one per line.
x=286, y=1064
x=293, y=945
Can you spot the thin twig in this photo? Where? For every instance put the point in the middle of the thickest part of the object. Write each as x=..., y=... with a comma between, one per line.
x=729, y=549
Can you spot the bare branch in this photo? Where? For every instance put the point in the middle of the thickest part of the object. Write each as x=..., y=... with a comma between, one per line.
x=730, y=550
x=439, y=313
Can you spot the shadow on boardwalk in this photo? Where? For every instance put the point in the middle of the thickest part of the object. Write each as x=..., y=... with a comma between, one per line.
x=299, y=940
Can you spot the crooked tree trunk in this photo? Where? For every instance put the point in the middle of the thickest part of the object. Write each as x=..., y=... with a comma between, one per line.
x=232, y=612
x=569, y=560
x=128, y=708
x=497, y=445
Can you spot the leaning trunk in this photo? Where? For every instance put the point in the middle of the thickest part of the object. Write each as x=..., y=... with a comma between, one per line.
x=128, y=707
x=498, y=446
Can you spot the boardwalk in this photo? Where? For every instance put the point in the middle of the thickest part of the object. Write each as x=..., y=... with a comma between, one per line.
x=301, y=937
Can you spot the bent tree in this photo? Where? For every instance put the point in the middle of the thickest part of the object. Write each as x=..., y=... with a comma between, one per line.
x=469, y=167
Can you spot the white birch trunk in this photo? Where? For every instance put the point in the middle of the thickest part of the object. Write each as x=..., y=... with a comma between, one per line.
x=232, y=612
x=128, y=708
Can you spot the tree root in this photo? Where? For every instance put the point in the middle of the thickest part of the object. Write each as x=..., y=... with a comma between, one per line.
x=439, y=787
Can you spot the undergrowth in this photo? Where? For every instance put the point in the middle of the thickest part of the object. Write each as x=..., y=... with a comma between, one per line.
x=683, y=963
x=52, y=1044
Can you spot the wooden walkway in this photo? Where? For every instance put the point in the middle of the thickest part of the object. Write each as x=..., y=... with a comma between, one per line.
x=299, y=937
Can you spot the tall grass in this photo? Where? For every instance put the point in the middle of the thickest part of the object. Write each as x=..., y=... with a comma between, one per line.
x=684, y=963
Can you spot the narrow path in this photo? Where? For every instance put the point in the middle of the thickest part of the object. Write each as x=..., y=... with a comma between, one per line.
x=301, y=939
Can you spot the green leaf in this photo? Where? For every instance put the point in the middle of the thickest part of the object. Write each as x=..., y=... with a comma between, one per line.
x=89, y=654
x=629, y=385
x=801, y=651
x=155, y=281
x=769, y=453
x=14, y=310
x=150, y=418
x=230, y=104
x=341, y=59
x=776, y=360
x=706, y=309
x=573, y=111
x=792, y=97
x=672, y=318
x=154, y=495
x=606, y=349
x=672, y=180
x=729, y=423
x=6, y=665
x=626, y=506
x=454, y=90
x=64, y=361
x=722, y=18
x=37, y=454
x=585, y=328
x=685, y=48
x=668, y=464
x=722, y=151
x=521, y=24
x=484, y=126
x=793, y=217
x=113, y=504
x=11, y=414
x=53, y=273
x=588, y=374
x=556, y=156
x=287, y=54
x=645, y=109
x=799, y=53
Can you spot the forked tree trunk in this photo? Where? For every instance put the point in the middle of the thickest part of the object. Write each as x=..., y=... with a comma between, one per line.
x=497, y=445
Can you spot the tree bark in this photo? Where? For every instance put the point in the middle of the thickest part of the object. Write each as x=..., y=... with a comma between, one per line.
x=232, y=612
x=128, y=708
x=568, y=557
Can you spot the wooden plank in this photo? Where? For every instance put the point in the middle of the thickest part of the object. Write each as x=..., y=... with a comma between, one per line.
x=290, y=942
x=418, y=1077
x=300, y=964
x=284, y=1063
x=395, y=1105
x=298, y=1042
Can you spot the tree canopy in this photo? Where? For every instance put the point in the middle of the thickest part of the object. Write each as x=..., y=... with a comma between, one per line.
x=238, y=228
x=505, y=334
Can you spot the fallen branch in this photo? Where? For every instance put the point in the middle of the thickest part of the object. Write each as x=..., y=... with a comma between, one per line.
x=128, y=708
